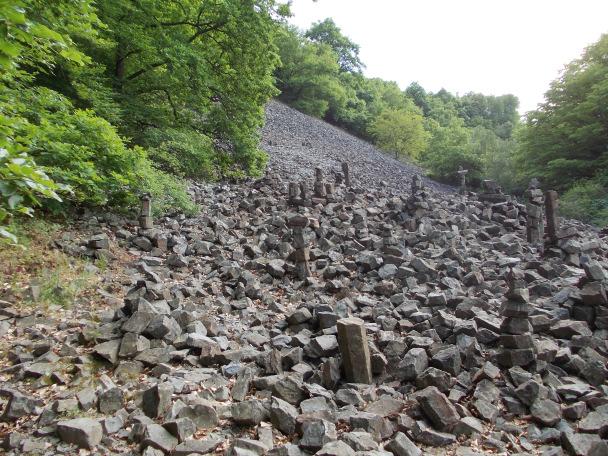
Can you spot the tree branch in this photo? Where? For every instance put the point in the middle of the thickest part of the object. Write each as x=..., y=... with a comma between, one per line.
x=145, y=70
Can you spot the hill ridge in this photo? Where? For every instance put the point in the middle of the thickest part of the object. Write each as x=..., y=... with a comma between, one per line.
x=294, y=138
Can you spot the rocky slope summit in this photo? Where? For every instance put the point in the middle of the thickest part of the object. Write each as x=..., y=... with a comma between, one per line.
x=368, y=319
x=298, y=143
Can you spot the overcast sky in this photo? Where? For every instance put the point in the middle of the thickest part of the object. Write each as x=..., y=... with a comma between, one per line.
x=488, y=46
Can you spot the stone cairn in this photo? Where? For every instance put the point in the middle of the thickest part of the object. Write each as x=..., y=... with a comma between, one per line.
x=319, y=186
x=390, y=244
x=462, y=177
x=593, y=304
x=417, y=205
x=535, y=227
x=492, y=192
x=145, y=215
x=298, y=223
x=298, y=194
x=551, y=205
x=346, y=173
x=352, y=341
x=516, y=342
x=293, y=193
x=339, y=177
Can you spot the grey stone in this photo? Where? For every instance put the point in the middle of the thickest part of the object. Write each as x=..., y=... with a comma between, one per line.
x=249, y=412
x=437, y=407
x=352, y=340
x=337, y=448
x=111, y=400
x=156, y=401
x=158, y=437
x=360, y=441
x=546, y=412
x=189, y=447
x=283, y=415
x=401, y=445
x=203, y=415
x=181, y=428
x=108, y=350
x=579, y=444
x=316, y=433
x=82, y=432
x=413, y=364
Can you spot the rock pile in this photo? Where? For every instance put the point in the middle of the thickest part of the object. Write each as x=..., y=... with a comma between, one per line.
x=332, y=327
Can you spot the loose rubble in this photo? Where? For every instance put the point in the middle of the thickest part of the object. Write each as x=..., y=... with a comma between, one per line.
x=355, y=319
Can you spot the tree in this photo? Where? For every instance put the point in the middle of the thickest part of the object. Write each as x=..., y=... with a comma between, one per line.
x=448, y=146
x=419, y=96
x=566, y=139
x=498, y=114
x=400, y=131
x=309, y=75
x=327, y=32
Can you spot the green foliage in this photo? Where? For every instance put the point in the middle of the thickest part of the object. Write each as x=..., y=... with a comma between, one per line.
x=168, y=193
x=448, y=149
x=498, y=159
x=586, y=201
x=22, y=185
x=91, y=91
x=401, y=132
x=309, y=76
x=498, y=114
x=327, y=32
x=182, y=152
x=419, y=96
x=79, y=149
x=204, y=68
x=566, y=139
x=22, y=43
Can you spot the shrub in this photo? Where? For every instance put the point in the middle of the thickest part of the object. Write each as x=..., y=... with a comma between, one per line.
x=400, y=131
x=587, y=201
x=182, y=152
x=168, y=192
x=79, y=149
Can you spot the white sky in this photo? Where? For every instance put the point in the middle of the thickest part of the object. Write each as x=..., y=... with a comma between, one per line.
x=488, y=46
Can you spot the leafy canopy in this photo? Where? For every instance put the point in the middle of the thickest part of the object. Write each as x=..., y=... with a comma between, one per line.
x=401, y=131
x=566, y=139
x=327, y=32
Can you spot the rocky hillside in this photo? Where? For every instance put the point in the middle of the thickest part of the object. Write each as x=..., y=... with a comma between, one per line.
x=298, y=143
x=376, y=319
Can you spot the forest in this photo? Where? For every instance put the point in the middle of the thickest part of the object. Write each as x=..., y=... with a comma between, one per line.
x=103, y=101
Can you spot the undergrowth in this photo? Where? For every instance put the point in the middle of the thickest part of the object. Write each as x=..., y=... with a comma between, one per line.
x=35, y=273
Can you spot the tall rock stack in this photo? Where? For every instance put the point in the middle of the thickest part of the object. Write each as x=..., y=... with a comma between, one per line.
x=319, y=187
x=417, y=205
x=294, y=194
x=346, y=173
x=462, y=177
x=516, y=342
x=298, y=223
x=551, y=203
x=329, y=192
x=389, y=241
x=305, y=195
x=535, y=227
x=492, y=192
x=359, y=223
x=339, y=178
x=145, y=215
x=593, y=306
x=352, y=341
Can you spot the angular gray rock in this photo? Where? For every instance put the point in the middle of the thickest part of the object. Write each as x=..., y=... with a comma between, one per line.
x=82, y=432
x=352, y=340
